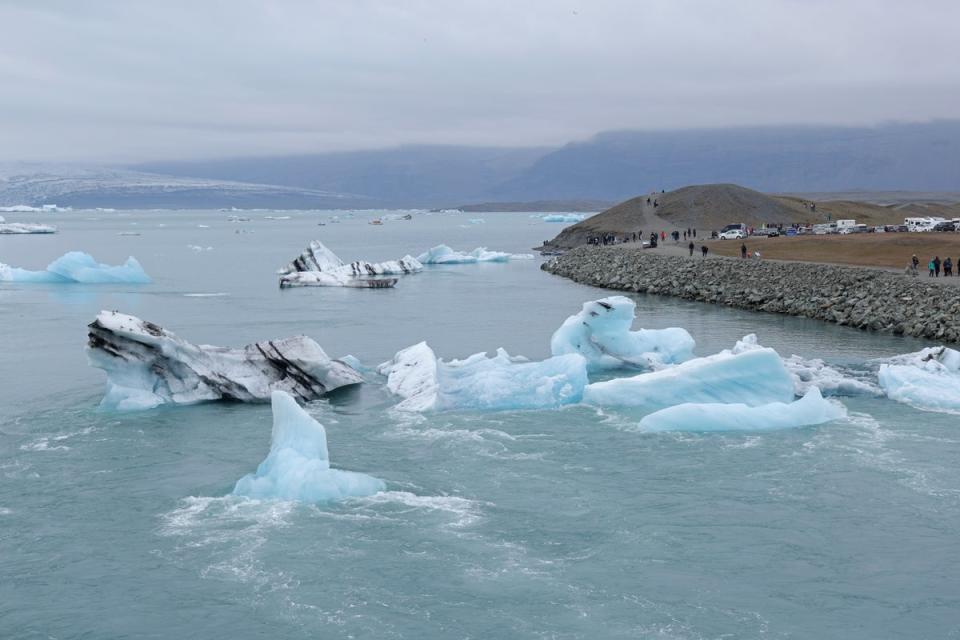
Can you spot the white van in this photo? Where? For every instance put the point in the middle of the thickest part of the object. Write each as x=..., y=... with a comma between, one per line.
x=921, y=224
x=843, y=224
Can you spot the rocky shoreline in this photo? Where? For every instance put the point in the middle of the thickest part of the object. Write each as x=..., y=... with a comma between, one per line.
x=868, y=299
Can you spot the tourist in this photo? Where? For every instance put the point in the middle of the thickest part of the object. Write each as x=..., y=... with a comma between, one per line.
x=694, y=233
x=947, y=267
x=930, y=266
x=703, y=249
x=663, y=236
x=690, y=246
x=916, y=262
x=743, y=250
x=936, y=265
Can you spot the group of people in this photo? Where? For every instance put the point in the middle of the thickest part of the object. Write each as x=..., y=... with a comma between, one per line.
x=934, y=266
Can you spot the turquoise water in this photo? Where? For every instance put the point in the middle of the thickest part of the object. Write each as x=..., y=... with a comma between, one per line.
x=542, y=524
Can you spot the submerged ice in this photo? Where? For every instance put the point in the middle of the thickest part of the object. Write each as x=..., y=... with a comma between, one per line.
x=298, y=465
x=442, y=254
x=601, y=333
x=501, y=382
x=811, y=409
x=928, y=380
x=147, y=366
x=78, y=267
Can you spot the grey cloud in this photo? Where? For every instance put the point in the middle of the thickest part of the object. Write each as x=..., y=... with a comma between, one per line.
x=133, y=80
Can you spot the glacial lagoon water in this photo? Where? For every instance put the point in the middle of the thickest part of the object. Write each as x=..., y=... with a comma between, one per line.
x=537, y=524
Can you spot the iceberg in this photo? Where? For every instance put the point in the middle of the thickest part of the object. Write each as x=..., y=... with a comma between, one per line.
x=20, y=228
x=811, y=409
x=318, y=266
x=564, y=217
x=928, y=379
x=754, y=377
x=601, y=333
x=298, y=465
x=442, y=254
x=78, y=267
x=809, y=373
x=148, y=366
x=479, y=382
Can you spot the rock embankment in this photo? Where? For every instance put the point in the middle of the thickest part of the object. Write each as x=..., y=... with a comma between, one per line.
x=864, y=298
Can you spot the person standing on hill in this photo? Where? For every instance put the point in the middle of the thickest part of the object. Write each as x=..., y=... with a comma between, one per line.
x=936, y=266
x=663, y=236
x=930, y=266
x=947, y=267
x=690, y=246
x=743, y=250
x=703, y=250
x=694, y=233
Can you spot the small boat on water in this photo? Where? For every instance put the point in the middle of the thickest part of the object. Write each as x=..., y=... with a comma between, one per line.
x=376, y=221
x=407, y=217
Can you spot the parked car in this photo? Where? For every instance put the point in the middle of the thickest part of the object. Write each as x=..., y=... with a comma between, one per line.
x=770, y=232
x=733, y=234
x=946, y=225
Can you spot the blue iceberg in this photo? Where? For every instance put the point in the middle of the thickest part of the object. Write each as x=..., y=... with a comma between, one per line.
x=442, y=254
x=563, y=217
x=754, y=377
x=298, y=465
x=811, y=409
x=479, y=382
x=78, y=267
x=601, y=333
x=928, y=380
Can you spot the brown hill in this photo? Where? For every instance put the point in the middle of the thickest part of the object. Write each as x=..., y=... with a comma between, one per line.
x=711, y=206
x=703, y=207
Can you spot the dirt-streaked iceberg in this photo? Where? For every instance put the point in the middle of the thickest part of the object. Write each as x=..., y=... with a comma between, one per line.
x=318, y=266
x=601, y=333
x=298, y=465
x=754, y=377
x=23, y=228
x=79, y=267
x=479, y=382
x=811, y=409
x=928, y=379
x=147, y=366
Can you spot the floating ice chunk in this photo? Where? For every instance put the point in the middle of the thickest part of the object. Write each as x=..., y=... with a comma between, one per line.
x=298, y=465
x=811, y=409
x=79, y=267
x=928, y=380
x=808, y=373
x=20, y=208
x=476, y=221
x=601, y=333
x=147, y=366
x=442, y=254
x=198, y=248
x=482, y=383
x=318, y=266
x=22, y=228
x=564, y=217
x=753, y=377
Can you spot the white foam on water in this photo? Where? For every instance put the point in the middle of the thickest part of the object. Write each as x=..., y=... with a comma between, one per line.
x=464, y=511
x=205, y=295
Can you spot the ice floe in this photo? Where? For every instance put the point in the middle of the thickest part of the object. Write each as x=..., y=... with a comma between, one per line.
x=564, y=217
x=442, y=254
x=78, y=267
x=754, y=377
x=601, y=333
x=298, y=465
x=147, y=366
x=479, y=382
x=928, y=379
x=811, y=409
x=318, y=266
x=813, y=372
x=23, y=228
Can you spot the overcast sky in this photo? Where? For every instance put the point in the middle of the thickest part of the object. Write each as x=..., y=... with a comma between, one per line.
x=129, y=80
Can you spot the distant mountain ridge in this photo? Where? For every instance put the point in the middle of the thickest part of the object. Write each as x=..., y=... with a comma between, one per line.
x=609, y=167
